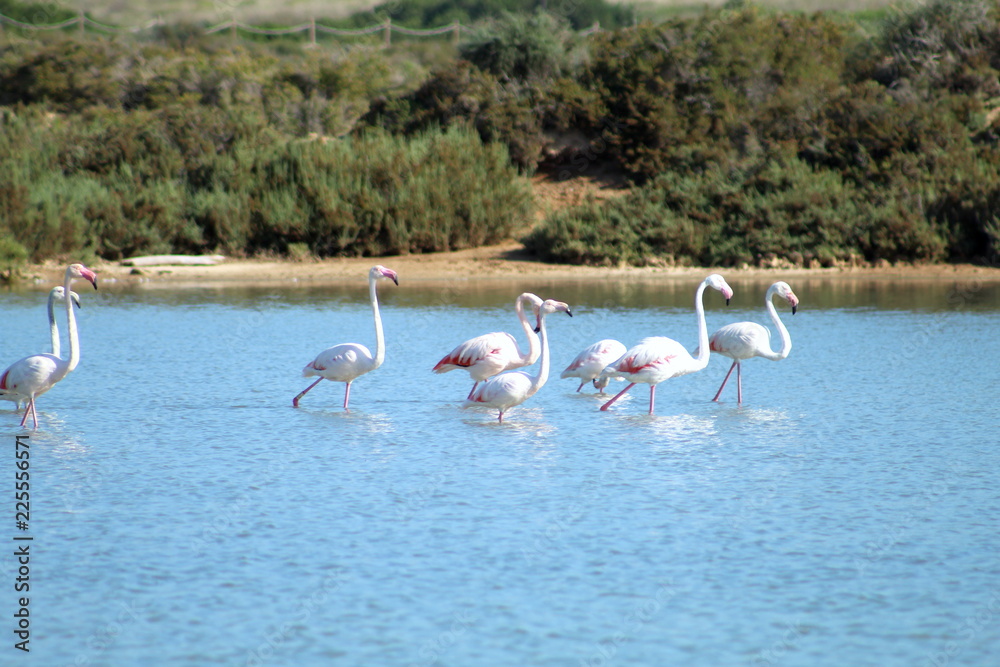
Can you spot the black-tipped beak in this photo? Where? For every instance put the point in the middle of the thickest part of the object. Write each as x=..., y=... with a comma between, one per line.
x=727, y=302
x=395, y=280
x=569, y=312
x=95, y=283
x=538, y=329
x=794, y=308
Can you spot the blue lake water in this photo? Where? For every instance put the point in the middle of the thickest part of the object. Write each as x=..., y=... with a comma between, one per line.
x=184, y=513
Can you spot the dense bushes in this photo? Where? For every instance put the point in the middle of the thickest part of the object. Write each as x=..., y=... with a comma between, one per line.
x=751, y=136
x=116, y=183
x=765, y=135
x=435, y=13
x=764, y=210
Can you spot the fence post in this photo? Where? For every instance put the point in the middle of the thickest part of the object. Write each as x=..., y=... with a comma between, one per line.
x=312, y=31
x=82, y=21
x=232, y=30
x=388, y=31
x=596, y=27
x=456, y=28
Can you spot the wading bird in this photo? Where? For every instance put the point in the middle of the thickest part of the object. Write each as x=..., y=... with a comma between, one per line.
x=506, y=390
x=744, y=340
x=588, y=364
x=658, y=358
x=58, y=293
x=29, y=378
x=485, y=356
x=348, y=361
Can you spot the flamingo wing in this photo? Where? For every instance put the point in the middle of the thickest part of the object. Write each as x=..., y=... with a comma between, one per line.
x=656, y=358
x=31, y=375
x=740, y=340
x=498, y=347
x=502, y=391
x=340, y=363
x=589, y=363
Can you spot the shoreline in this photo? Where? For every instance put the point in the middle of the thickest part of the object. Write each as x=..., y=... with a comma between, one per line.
x=506, y=261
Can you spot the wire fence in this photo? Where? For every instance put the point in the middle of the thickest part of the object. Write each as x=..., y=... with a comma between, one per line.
x=234, y=27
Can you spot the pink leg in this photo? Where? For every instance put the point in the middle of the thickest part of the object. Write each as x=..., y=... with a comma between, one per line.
x=34, y=417
x=652, y=397
x=617, y=396
x=472, y=391
x=295, y=401
x=739, y=384
x=735, y=364
x=500, y=418
x=347, y=395
x=581, y=386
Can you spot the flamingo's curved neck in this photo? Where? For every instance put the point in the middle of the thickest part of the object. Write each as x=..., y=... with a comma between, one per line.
x=379, y=337
x=53, y=327
x=534, y=348
x=74, y=340
x=701, y=361
x=786, y=339
x=538, y=381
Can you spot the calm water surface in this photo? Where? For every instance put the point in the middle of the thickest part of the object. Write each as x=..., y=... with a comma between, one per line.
x=184, y=513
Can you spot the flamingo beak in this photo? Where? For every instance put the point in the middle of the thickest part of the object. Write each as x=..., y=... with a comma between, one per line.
x=794, y=300
x=90, y=275
x=389, y=273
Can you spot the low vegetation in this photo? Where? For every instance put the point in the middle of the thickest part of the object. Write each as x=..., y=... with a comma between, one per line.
x=751, y=136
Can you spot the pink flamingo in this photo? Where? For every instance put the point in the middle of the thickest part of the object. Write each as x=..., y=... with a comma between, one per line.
x=506, y=390
x=348, y=361
x=744, y=340
x=58, y=293
x=485, y=356
x=657, y=358
x=588, y=364
x=32, y=376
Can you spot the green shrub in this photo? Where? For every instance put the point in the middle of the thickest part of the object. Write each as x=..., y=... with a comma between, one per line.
x=525, y=46
x=773, y=207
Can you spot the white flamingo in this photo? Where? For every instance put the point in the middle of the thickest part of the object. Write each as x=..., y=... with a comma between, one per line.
x=348, y=361
x=588, y=364
x=658, y=358
x=506, y=390
x=744, y=340
x=29, y=378
x=485, y=356
x=58, y=293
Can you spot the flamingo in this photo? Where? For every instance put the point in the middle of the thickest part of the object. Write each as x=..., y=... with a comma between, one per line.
x=744, y=340
x=506, y=390
x=485, y=356
x=32, y=376
x=348, y=361
x=589, y=363
x=58, y=293
x=658, y=358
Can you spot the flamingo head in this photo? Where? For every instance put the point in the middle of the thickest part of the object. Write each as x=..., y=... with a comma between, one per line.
x=379, y=271
x=715, y=281
x=551, y=306
x=785, y=292
x=80, y=271
x=58, y=293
